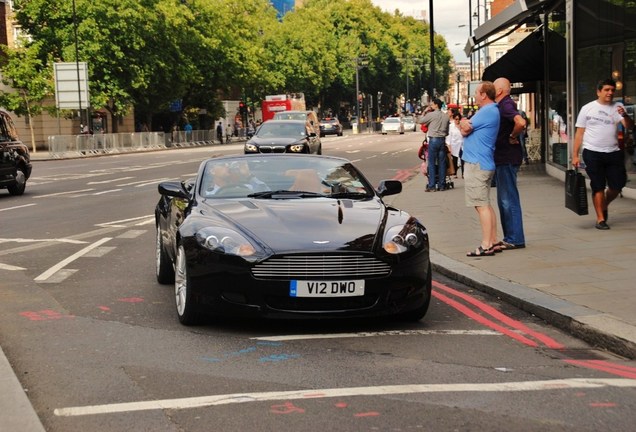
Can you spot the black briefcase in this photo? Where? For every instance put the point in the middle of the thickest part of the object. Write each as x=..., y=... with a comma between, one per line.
x=575, y=192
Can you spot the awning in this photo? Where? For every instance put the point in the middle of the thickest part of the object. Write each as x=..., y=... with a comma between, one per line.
x=524, y=62
x=520, y=12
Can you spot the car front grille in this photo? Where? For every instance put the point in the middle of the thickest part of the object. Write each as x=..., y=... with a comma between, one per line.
x=321, y=267
x=271, y=149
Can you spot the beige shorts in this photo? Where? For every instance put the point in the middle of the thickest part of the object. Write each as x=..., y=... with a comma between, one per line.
x=476, y=185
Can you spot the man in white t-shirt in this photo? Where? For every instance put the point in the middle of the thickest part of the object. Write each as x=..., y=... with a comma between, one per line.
x=597, y=134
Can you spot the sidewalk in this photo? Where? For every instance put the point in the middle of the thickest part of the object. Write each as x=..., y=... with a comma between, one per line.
x=570, y=274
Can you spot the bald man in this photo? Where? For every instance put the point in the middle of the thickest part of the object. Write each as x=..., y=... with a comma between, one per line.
x=508, y=158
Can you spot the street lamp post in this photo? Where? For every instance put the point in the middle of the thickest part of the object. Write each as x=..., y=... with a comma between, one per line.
x=379, y=96
x=459, y=78
x=360, y=62
x=432, y=42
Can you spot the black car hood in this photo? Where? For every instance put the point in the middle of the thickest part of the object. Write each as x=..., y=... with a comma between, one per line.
x=306, y=224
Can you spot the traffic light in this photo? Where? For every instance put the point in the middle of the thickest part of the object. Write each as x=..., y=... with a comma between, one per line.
x=242, y=108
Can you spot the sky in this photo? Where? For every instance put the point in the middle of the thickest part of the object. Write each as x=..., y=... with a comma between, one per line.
x=447, y=16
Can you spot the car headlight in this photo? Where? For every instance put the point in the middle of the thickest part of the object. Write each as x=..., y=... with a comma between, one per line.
x=297, y=148
x=226, y=241
x=250, y=148
x=401, y=238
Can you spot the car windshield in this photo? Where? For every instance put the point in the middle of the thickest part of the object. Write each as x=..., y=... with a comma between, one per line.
x=290, y=116
x=392, y=120
x=282, y=177
x=282, y=129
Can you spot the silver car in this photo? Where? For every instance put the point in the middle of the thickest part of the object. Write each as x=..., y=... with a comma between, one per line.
x=393, y=125
x=409, y=123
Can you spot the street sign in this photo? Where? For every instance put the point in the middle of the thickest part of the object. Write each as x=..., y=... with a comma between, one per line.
x=71, y=85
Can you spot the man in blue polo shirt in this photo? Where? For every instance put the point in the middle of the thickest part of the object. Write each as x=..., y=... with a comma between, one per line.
x=479, y=147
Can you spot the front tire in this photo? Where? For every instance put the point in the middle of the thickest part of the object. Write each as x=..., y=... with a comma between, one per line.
x=164, y=267
x=19, y=186
x=187, y=307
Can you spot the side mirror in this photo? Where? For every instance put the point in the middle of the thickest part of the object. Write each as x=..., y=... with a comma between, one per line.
x=173, y=189
x=389, y=187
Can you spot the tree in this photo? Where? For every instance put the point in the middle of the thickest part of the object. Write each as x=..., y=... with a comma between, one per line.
x=31, y=82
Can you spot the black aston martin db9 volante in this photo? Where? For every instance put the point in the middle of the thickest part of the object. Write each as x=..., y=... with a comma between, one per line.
x=289, y=236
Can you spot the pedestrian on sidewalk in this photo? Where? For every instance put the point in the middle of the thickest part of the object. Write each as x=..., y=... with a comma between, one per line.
x=437, y=123
x=455, y=141
x=508, y=159
x=597, y=134
x=480, y=135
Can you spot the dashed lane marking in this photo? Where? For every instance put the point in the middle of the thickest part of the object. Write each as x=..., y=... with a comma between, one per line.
x=56, y=240
x=380, y=333
x=17, y=207
x=122, y=223
x=64, y=193
x=10, y=267
x=225, y=399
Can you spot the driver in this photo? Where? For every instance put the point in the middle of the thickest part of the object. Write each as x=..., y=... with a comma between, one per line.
x=234, y=174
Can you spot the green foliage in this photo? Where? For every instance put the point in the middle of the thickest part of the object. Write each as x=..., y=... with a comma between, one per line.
x=148, y=53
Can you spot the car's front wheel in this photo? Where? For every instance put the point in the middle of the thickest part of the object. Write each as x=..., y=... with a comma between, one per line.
x=164, y=268
x=18, y=187
x=187, y=307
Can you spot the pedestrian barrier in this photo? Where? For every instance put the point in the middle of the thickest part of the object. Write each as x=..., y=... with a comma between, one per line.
x=65, y=146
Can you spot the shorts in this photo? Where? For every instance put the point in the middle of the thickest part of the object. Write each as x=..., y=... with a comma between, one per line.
x=477, y=185
x=605, y=169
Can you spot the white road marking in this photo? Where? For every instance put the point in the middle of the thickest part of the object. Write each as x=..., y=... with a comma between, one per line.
x=59, y=276
x=225, y=399
x=130, y=234
x=50, y=272
x=146, y=222
x=17, y=207
x=380, y=333
x=142, y=182
x=23, y=240
x=109, y=181
x=122, y=222
x=10, y=267
x=106, y=191
x=63, y=193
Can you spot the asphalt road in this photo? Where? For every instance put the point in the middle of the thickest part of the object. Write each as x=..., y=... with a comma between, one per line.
x=95, y=341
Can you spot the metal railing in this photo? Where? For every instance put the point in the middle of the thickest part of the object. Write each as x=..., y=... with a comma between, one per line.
x=64, y=146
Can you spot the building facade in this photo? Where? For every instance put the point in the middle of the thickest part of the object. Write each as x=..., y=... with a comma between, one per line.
x=569, y=46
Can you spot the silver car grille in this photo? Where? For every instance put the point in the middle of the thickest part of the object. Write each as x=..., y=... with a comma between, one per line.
x=321, y=267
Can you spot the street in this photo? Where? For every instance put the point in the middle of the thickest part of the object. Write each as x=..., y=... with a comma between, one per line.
x=95, y=341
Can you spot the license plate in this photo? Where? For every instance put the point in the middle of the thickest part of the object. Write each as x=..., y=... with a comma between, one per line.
x=303, y=288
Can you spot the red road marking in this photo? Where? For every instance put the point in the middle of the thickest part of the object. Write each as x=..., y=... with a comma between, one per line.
x=546, y=340
x=610, y=368
x=104, y=308
x=286, y=408
x=483, y=320
x=342, y=405
x=44, y=315
x=601, y=365
x=602, y=404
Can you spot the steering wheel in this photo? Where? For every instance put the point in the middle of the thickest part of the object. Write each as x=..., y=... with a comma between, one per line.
x=233, y=189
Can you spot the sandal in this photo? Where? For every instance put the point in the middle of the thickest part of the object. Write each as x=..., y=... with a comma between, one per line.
x=480, y=251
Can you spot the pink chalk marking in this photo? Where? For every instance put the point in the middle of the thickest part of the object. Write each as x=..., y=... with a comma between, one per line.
x=286, y=408
x=342, y=405
x=131, y=300
x=367, y=414
x=104, y=308
x=44, y=315
x=602, y=404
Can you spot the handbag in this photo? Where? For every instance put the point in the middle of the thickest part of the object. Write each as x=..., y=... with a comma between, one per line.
x=575, y=192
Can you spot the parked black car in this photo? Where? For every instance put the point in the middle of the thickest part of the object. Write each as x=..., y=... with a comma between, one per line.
x=15, y=162
x=284, y=136
x=296, y=236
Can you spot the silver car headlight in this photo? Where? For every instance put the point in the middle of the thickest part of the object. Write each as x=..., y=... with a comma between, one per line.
x=297, y=148
x=401, y=238
x=224, y=240
x=250, y=148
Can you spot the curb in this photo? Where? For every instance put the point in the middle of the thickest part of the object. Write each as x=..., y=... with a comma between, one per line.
x=16, y=411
